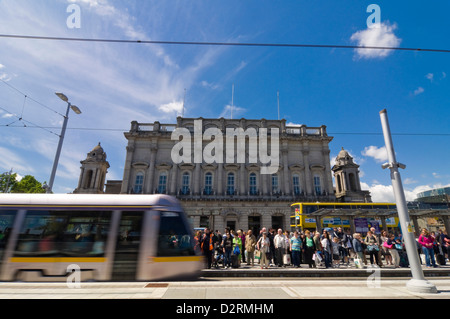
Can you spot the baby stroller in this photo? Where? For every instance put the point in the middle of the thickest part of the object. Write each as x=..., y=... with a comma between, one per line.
x=218, y=257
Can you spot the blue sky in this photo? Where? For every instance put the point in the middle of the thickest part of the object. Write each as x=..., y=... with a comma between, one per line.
x=116, y=83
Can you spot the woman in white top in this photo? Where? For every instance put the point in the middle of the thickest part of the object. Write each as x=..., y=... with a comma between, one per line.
x=326, y=245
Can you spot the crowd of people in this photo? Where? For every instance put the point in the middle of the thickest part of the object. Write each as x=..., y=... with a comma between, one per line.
x=331, y=248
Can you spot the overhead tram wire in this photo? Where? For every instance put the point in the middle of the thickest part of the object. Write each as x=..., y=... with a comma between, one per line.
x=291, y=45
x=26, y=96
x=125, y=130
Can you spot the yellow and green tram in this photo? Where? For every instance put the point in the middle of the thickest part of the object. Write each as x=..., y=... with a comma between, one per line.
x=106, y=237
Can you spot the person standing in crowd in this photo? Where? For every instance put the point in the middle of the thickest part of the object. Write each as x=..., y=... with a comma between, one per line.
x=358, y=247
x=372, y=247
x=287, y=236
x=348, y=246
x=296, y=249
x=327, y=249
x=242, y=235
x=271, y=254
x=379, y=261
x=207, y=246
x=309, y=248
x=263, y=245
x=227, y=244
x=197, y=241
x=427, y=243
x=392, y=250
x=250, y=246
x=237, y=242
x=336, y=249
x=445, y=243
x=280, y=247
x=384, y=250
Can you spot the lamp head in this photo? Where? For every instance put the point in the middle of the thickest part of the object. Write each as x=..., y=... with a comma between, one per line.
x=75, y=109
x=62, y=97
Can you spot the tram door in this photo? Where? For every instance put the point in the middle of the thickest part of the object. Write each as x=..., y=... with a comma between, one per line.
x=6, y=224
x=127, y=247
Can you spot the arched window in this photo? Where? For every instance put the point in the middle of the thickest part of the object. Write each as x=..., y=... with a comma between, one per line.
x=252, y=184
x=230, y=184
x=88, y=180
x=138, y=183
x=338, y=183
x=162, y=183
x=352, y=180
x=208, y=183
x=185, y=182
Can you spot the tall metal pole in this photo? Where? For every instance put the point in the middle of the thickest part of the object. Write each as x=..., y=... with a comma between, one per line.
x=58, y=151
x=418, y=283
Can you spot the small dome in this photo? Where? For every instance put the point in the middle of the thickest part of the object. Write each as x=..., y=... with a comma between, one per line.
x=97, y=148
x=343, y=154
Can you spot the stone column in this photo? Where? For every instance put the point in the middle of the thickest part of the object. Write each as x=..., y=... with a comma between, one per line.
x=219, y=179
x=308, y=178
x=328, y=176
x=151, y=171
x=173, y=181
x=127, y=168
x=286, y=172
x=81, y=178
x=242, y=179
x=197, y=173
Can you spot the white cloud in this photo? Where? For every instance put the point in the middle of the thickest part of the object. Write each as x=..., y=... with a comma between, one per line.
x=385, y=193
x=379, y=154
x=235, y=110
x=171, y=107
x=9, y=159
x=409, y=181
x=430, y=76
x=419, y=90
x=444, y=75
x=381, y=35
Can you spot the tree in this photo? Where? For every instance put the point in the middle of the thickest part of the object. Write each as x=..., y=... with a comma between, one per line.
x=7, y=181
x=28, y=184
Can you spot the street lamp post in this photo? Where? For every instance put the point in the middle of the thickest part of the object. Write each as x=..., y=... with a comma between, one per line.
x=418, y=283
x=61, y=139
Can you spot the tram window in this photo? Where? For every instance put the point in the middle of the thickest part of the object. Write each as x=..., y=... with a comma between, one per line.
x=130, y=229
x=6, y=224
x=174, y=239
x=63, y=233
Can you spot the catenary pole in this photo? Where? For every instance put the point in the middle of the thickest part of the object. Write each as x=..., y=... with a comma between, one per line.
x=418, y=283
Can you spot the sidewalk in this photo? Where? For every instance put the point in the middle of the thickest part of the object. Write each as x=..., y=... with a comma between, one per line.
x=304, y=271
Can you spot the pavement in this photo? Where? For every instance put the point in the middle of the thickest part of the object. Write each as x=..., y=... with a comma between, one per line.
x=320, y=272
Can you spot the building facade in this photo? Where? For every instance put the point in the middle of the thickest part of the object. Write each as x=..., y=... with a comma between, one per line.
x=237, y=173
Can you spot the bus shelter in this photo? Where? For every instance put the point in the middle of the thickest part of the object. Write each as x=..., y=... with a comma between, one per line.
x=358, y=217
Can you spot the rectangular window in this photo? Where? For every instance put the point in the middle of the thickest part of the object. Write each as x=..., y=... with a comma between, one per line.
x=6, y=224
x=63, y=234
x=162, y=184
x=296, y=184
x=174, y=239
x=208, y=184
x=138, y=184
x=230, y=184
x=274, y=183
x=317, y=186
x=185, y=184
x=252, y=184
